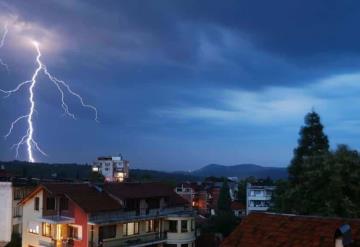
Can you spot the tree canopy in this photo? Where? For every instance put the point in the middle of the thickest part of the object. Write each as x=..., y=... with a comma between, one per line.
x=322, y=182
x=312, y=143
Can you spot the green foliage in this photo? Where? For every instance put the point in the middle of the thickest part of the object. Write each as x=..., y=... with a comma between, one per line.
x=312, y=142
x=224, y=202
x=322, y=182
x=96, y=177
x=15, y=240
x=242, y=191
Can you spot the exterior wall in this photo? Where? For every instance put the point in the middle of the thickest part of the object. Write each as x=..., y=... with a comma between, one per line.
x=180, y=237
x=6, y=196
x=185, y=192
x=81, y=219
x=31, y=215
x=258, y=198
x=59, y=231
x=111, y=168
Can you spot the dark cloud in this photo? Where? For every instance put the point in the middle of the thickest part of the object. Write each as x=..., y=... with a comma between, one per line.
x=131, y=57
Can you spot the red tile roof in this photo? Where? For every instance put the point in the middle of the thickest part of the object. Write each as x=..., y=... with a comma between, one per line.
x=85, y=196
x=277, y=230
x=144, y=190
x=237, y=206
x=100, y=199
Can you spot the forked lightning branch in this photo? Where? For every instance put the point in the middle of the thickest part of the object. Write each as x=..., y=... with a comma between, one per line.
x=28, y=138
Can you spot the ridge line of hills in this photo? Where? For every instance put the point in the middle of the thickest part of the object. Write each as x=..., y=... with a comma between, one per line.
x=82, y=171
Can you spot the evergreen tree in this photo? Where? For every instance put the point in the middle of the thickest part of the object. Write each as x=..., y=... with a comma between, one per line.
x=312, y=143
x=224, y=202
x=321, y=182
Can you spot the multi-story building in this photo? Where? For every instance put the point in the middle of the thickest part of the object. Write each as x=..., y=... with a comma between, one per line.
x=113, y=168
x=12, y=190
x=186, y=191
x=258, y=198
x=115, y=214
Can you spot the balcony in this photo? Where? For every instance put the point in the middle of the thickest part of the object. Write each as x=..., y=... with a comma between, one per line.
x=136, y=240
x=118, y=217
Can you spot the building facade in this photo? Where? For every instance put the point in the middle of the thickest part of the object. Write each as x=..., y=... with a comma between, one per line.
x=113, y=168
x=11, y=192
x=115, y=214
x=258, y=198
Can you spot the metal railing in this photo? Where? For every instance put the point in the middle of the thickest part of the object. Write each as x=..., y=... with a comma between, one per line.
x=133, y=215
x=134, y=240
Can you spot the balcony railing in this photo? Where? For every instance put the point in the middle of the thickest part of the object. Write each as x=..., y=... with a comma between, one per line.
x=133, y=215
x=135, y=240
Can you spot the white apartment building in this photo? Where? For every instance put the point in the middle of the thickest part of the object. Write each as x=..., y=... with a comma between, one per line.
x=113, y=168
x=258, y=198
x=11, y=192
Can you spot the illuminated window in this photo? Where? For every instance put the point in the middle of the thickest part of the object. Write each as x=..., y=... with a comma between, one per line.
x=75, y=232
x=95, y=169
x=46, y=229
x=34, y=227
x=149, y=225
x=131, y=228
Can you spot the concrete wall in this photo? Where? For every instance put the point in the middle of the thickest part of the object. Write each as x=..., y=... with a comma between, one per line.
x=31, y=215
x=6, y=196
x=181, y=237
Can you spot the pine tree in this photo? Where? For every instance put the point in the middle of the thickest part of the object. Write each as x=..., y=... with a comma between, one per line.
x=312, y=143
x=224, y=202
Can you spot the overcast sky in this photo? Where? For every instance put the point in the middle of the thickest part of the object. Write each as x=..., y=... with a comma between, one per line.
x=181, y=84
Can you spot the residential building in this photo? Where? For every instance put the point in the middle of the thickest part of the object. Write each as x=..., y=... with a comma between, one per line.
x=113, y=168
x=113, y=214
x=269, y=229
x=258, y=197
x=6, y=211
x=12, y=190
x=186, y=191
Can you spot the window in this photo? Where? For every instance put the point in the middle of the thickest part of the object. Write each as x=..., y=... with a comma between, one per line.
x=131, y=228
x=36, y=204
x=184, y=226
x=64, y=203
x=16, y=211
x=149, y=225
x=50, y=203
x=75, y=232
x=18, y=194
x=46, y=229
x=172, y=226
x=108, y=231
x=34, y=227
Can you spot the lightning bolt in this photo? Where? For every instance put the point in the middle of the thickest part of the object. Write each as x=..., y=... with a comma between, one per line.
x=62, y=87
x=2, y=43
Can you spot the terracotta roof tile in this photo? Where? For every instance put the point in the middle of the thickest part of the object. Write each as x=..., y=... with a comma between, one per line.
x=276, y=230
x=144, y=190
x=85, y=196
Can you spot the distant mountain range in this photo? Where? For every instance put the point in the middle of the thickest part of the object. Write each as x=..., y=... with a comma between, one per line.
x=76, y=171
x=241, y=171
